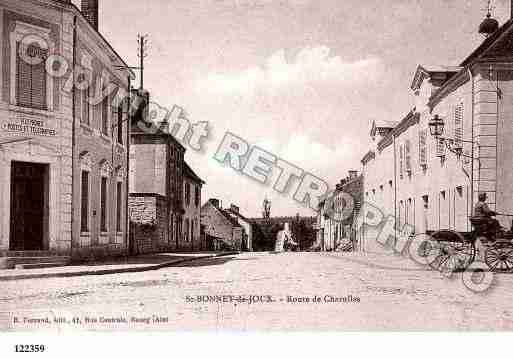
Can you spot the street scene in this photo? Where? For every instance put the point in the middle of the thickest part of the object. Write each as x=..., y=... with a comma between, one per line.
x=256, y=165
x=213, y=294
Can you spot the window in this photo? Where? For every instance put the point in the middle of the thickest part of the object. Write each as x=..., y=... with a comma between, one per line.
x=459, y=189
x=186, y=230
x=407, y=157
x=458, y=126
x=440, y=148
x=192, y=230
x=105, y=116
x=119, y=204
x=188, y=193
x=84, y=212
x=84, y=97
x=31, y=78
x=120, y=124
x=423, y=148
x=197, y=196
x=103, y=205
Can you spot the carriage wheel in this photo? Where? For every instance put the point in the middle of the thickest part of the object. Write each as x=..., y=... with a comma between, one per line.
x=455, y=252
x=345, y=246
x=499, y=257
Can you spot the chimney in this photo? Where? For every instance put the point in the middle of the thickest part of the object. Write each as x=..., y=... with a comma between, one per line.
x=234, y=208
x=353, y=174
x=89, y=9
x=214, y=202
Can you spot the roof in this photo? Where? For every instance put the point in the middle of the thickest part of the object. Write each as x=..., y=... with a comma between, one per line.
x=191, y=174
x=487, y=43
x=244, y=218
x=424, y=71
x=224, y=213
x=227, y=215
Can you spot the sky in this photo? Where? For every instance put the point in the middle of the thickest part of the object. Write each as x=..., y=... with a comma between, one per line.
x=302, y=79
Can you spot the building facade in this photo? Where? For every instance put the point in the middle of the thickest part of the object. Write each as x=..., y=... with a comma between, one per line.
x=191, y=238
x=156, y=201
x=431, y=184
x=62, y=162
x=336, y=215
x=221, y=230
x=246, y=224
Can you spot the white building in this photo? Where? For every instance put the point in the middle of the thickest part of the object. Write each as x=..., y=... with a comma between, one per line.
x=411, y=176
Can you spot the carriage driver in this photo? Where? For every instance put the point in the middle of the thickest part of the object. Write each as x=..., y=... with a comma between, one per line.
x=484, y=213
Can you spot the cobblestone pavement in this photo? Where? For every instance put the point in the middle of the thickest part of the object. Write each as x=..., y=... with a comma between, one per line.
x=168, y=298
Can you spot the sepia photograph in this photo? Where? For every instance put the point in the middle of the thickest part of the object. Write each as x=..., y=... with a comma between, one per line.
x=255, y=166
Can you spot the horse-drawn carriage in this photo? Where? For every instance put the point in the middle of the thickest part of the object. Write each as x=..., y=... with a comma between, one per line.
x=457, y=251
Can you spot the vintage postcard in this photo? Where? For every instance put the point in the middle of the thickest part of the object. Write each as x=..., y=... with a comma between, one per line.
x=255, y=166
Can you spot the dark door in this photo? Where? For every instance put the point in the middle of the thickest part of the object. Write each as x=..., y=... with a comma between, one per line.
x=27, y=206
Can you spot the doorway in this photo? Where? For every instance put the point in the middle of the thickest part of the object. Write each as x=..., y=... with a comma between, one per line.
x=29, y=198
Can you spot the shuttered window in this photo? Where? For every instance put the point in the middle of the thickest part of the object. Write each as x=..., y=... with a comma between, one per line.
x=440, y=147
x=423, y=148
x=105, y=116
x=82, y=106
x=458, y=126
x=31, y=78
x=407, y=156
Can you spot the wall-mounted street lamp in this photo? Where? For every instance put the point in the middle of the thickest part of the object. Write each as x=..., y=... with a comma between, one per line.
x=436, y=128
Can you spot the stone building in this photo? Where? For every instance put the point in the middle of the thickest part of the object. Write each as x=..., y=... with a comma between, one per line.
x=337, y=213
x=191, y=236
x=246, y=223
x=62, y=167
x=429, y=184
x=221, y=230
x=156, y=186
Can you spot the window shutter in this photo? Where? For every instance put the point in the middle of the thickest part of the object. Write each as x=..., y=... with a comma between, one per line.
x=423, y=148
x=407, y=156
x=39, y=84
x=23, y=80
x=105, y=112
x=458, y=126
x=85, y=106
x=31, y=79
x=440, y=148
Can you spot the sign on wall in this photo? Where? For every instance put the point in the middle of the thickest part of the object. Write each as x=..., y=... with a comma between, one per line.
x=29, y=127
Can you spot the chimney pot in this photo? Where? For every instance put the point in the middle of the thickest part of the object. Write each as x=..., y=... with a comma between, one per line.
x=89, y=9
x=234, y=208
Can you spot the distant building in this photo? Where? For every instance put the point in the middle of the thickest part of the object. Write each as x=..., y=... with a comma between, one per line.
x=222, y=230
x=247, y=224
x=337, y=213
x=191, y=236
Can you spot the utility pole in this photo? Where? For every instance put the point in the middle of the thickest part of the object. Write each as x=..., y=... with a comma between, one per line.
x=142, y=41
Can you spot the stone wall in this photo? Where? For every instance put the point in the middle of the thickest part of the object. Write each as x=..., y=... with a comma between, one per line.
x=149, y=224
